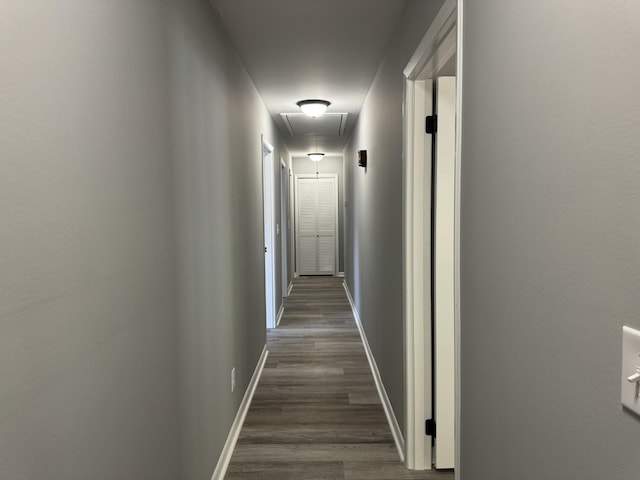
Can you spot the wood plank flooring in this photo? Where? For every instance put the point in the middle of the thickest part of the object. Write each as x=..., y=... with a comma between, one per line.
x=316, y=414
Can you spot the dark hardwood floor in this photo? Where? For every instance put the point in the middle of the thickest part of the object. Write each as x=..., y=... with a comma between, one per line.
x=316, y=413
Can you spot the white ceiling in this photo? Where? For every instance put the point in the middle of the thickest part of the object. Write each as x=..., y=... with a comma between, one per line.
x=301, y=49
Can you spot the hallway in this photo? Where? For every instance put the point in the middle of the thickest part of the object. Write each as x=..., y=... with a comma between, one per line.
x=316, y=413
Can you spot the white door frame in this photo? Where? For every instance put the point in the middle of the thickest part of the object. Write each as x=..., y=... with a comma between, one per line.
x=334, y=176
x=269, y=232
x=442, y=40
x=284, y=221
x=291, y=226
x=443, y=292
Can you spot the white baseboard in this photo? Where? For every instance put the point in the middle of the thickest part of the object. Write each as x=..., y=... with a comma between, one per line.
x=234, y=432
x=340, y=274
x=289, y=289
x=280, y=312
x=386, y=403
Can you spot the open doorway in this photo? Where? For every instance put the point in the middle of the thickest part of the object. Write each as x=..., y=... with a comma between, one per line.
x=431, y=194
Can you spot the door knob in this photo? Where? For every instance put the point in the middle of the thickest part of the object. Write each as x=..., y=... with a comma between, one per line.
x=635, y=378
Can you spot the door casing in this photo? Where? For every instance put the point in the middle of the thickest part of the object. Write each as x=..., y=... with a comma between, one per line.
x=442, y=40
x=284, y=230
x=269, y=232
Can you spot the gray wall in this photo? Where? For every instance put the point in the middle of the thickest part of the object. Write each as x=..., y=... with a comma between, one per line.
x=218, y=118
x=373, y=268
x=550, y=238
x=88, y=354
x=131, y=237
x=327, y=165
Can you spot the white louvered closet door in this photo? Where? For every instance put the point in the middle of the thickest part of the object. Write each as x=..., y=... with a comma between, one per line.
x=316, y=225
x=326, y=215
x=307, y=226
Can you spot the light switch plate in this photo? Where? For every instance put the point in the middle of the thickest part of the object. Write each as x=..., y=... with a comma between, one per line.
x=630, y=366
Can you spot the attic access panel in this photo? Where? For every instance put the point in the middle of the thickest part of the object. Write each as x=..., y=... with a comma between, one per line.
x=329, y=124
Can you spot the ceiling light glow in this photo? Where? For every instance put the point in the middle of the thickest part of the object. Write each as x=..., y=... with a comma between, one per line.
x=316, y=157
x=313, y=108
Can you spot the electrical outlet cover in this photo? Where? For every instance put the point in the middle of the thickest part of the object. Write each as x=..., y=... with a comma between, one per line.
x=630, y=366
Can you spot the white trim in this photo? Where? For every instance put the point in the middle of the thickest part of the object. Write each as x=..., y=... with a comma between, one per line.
x=436, y=35
x=444, y=173
x=384, y=398
x=417, y=281
x=267, y=144
x=436, y=48
x=280, y=312
x=340, y=274
x=458, y=205
x=290, y=288
x=284, y=220
x=291, y=224
x=269, y=226
x=236, y=426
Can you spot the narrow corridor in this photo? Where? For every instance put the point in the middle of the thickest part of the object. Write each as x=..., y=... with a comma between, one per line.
x=316, y=413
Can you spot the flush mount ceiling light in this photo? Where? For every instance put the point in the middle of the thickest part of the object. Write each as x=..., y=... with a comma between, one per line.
x=313, y=108
x=316, y=156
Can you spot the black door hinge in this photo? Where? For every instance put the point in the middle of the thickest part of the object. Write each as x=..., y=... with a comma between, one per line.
x=430, y=428
x=432, y=124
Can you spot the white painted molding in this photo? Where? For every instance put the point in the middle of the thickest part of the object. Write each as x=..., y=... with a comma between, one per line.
x=458, y=355
x=267, y=145
x=340, y=274
x=290, y=288
x=436, y=48
x=437, y=35
x=234, y=432
x=386, y=403
x=280, y=312
x=417, y=282
x=269, y=229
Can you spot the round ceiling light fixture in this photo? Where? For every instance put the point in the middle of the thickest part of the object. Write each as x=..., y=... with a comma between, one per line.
x=313, y=108
x=316, y=157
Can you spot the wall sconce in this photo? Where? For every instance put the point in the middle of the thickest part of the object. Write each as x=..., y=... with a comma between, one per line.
x=362, y=158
